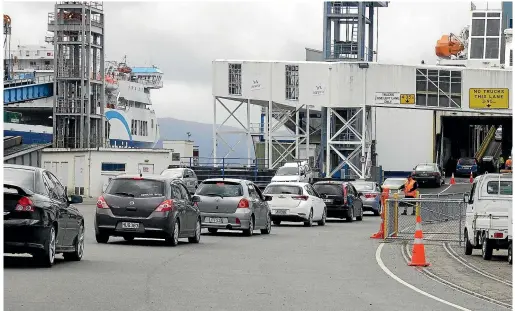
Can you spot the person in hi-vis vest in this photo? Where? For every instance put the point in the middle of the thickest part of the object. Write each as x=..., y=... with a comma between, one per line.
x=410, y=192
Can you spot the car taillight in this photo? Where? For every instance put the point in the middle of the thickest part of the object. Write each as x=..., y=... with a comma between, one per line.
x=101, y=203
x=24, y=205
x=165, y=206
x=370, y=195
x=300, y=197
x=436, y=173
x=244, y=203
x=344, y=194
x=498, y=235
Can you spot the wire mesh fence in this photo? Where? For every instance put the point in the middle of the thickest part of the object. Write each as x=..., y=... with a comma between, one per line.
x=443, y=219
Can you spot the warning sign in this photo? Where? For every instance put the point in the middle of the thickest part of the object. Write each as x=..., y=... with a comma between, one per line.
x=489, y=98
x=408, y=99
x=387, y=98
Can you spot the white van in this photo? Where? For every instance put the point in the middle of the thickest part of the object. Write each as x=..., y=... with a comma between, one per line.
x=294, y=172
x=487, y=220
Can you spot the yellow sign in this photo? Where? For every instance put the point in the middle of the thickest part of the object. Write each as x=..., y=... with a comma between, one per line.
x=408, y=99
x=489, y=98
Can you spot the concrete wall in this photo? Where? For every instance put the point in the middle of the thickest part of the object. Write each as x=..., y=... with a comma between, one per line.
x=82, y=171
x=181, y=150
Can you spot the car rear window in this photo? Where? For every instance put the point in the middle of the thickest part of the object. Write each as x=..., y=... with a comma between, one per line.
x=175, y=172
x=364, y=187
x=287, y=171
x=20, y=177
x=425, y=167
x=504, y=187
x=330, y=189
x=467, y=161
x=220, y=188
x=283, y=189
x=137, y=188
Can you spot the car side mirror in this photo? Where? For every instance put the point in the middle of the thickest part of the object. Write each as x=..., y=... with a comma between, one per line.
x=268, y=198
x=195, y=199
x=360, y=194
x=75, y=199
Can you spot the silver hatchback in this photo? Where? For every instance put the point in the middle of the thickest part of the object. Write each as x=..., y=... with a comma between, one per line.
x=233, y=204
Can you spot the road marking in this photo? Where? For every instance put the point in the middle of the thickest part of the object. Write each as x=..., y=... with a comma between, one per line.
x=393, y=276
x=445, y=189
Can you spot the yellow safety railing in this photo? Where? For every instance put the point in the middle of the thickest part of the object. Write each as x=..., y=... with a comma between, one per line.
x=484, y=145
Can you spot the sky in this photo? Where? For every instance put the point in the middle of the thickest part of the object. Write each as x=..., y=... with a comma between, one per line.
x=183, y=38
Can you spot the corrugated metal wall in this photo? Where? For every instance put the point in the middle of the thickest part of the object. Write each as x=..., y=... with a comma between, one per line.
x=31, y=159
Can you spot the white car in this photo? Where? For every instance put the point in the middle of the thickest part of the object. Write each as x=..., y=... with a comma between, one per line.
x=294, y=172
x=296, y=202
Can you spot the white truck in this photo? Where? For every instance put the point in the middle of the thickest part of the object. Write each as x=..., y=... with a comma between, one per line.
x=487, y=221
x=510, y=236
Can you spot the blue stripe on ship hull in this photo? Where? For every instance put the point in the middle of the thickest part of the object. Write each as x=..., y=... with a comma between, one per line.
x=43, y=138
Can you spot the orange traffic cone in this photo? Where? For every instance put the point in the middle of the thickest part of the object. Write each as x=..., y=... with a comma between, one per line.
x=471, y=177
x=453, y=181
x=380, y=233
x=418, y=257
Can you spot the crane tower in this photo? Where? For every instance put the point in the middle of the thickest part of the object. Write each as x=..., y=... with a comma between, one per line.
x=78, y=38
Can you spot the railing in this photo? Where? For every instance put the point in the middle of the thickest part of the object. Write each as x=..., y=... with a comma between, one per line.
x=31, y=81
x=486, y=142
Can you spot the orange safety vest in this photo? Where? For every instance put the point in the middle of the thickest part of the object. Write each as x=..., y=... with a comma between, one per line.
x=408, y=189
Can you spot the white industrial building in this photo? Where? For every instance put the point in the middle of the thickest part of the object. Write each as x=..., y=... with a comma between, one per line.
x=183, y=152
x=396, y=99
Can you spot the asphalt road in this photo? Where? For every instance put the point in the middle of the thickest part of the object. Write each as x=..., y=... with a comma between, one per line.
x=334, y=267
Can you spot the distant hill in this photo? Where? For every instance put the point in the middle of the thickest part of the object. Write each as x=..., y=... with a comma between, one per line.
x=202, y=135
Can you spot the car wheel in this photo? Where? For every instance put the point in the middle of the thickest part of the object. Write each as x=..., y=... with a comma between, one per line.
x=250, y=230
x=350, y=217
x=76, y=255
x=47, y=257
x=212, y=230
x=360, y=217
x=309, y=222
x=486, y=248
x=468, y=246
x=324, y=218
x=268, y=228
x=102, y=238
x=277, y=222
x=509, y=254
x=173, y=239
x=196, y=237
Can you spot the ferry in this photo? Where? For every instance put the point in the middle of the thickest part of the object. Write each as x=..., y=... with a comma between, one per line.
x=130, y=120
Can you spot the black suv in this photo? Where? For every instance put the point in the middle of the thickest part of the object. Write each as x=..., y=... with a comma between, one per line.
x=341, y=198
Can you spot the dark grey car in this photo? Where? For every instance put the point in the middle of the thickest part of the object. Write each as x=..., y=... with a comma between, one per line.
x=233, y=204
x=147, y=207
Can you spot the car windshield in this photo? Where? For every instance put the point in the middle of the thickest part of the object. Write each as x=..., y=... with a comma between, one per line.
x=283, y=189
x=137, y=188
x=467, y=161
x=175, y=172
x=330, y=189
x=425, y=168
x=504, y=187
x=220, y=188
x=287, y=171
x=393, y=182
x=364, y=186
x=20, y=177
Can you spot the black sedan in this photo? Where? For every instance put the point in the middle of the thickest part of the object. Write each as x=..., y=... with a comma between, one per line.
x=153, y=206
x=39, y=219
x=341, y=199
x=429, y=173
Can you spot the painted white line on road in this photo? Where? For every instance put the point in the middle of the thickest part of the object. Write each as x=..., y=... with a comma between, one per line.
x=418, y=290
x=445, y=189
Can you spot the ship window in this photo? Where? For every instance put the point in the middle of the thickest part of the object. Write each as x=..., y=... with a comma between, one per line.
x=292, y=82
x=27, y=53
x=477, y=48
x=493, y=27
x=152, y=123
x=492, y=48
x=478, y=27
x=113, y=167
x=438, y=88
x=234, y=79
x=511, y=57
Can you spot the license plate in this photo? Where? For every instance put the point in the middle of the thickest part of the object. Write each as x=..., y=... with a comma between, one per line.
x=328, y=201
x=423, y=174
x=280, y=211
x=130, y=225
x=215, y=220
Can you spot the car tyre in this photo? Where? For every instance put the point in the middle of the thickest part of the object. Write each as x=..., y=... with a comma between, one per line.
x=360, y=217
x=173, y=239
x=196, y=237
x=468, y=246
x=324, y=218
x=102, y=238
x=309, y=222
x=250, y=230
x=46, y=258
x=350, y=217
x=486, y=248
x=268, y=227
x=277, y=222
x=509, y=254
x=212, y=230
x=77, y=253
